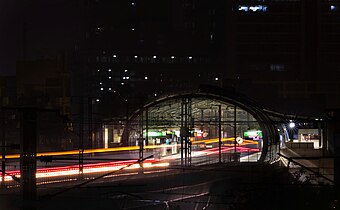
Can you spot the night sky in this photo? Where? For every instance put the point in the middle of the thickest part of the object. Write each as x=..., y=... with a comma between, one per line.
x=51, y=26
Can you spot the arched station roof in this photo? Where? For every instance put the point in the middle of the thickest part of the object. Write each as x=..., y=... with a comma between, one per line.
x=266, y=123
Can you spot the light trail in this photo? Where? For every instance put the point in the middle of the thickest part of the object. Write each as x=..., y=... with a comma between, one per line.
x=116, y=165
x=130, y=148
x=87, y=169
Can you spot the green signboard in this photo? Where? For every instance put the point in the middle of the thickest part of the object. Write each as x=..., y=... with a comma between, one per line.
x=154, y=133
x=252, y=133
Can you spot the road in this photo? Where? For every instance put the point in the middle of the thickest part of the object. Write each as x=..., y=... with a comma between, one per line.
x=66, y=168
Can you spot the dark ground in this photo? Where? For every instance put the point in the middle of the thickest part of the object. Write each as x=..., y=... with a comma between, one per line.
x=228, y=187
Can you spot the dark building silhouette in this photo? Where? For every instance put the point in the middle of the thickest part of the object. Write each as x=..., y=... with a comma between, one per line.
x=282, y=53
x=44, y=84
x=7, y=91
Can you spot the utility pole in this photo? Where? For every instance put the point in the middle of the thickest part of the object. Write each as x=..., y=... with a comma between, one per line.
x=235, y=136
x=3, y=149
x=147, y=126
x=81, y=138
x=219, y=135
x=28, y=163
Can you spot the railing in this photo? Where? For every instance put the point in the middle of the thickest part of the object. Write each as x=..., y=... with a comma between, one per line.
x=307, y=174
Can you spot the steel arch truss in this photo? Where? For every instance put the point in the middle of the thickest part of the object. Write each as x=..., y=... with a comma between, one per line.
x=191, y=118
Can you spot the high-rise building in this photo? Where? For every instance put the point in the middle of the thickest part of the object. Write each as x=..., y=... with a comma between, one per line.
x=282, y=53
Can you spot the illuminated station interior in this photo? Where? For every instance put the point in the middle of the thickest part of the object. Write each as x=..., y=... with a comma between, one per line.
x=195, y=124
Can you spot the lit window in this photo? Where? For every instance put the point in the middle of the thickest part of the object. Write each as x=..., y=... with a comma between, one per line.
x=155, y=94
x=133, y=4
x=98, y=70
x=114, y=56
x=101, y=88
x=255, y=8
x=110, y=77
x=124, y=77
x=136, y=56
x=97, y=100
x=127, y=77
x=98, y=28
x=216, y=78
x=100, y=83
x=277, y=67
x=154, y=57
x=125, y=70
x=132, y=29
x=110, y=88
x=243, y=8
x=190, y=57
x=122, y=83
x=109, y=70
x=145, y=77
x=172, y=57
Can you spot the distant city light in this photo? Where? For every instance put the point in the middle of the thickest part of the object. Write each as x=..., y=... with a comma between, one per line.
x=172, y=57
x=127, y=77
x=155, y=94
x=133, y=3
x=333, y=8
x=132, y=29
x=98, y=70
x=109, y=70
x=154, y=57
x=216, y=78
x=101, y=88
x=255, y=8
x=190, y=57
x=110, y=88
x=125, y=70
x=100, y=83
x=124, y=77
x=114, y=56
x=110, y=77
x=145, y=77
x=122, y=83
x=136, y=56
x=97, y=100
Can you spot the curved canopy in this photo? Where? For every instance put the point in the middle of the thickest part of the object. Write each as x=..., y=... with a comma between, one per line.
x=206, y=115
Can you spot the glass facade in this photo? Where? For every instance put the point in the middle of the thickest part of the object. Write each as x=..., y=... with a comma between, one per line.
x=194, y=127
